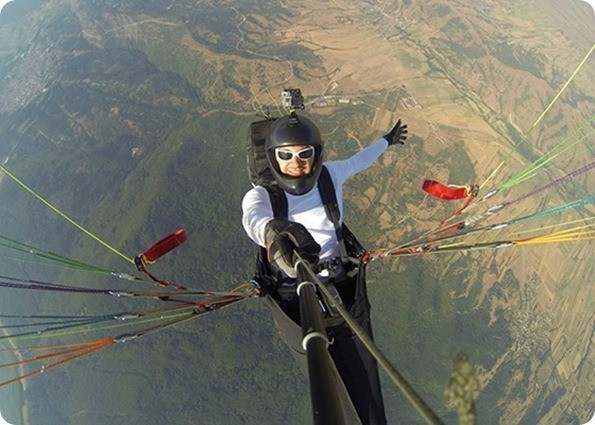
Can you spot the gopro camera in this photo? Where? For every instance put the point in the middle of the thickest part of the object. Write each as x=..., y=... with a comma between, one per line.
x=292, y=99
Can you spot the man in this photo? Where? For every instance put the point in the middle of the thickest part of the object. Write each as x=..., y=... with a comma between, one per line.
x=308, y=226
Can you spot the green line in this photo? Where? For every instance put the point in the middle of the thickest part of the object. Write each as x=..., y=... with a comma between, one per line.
x=49, y=257
x=132, y=322
x=526, y=134
x=64, y=216
x=555, y=210
x=24, y=260
x=98, y=328
x=529, y=171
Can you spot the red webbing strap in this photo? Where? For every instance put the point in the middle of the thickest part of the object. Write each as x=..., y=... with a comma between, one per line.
x=159, y=249
x=448, y=193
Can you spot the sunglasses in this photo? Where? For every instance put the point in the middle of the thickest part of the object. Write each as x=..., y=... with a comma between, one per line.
x=286, y=155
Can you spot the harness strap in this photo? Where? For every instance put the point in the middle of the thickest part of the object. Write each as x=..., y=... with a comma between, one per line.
x=331, y=207
x=278, y=201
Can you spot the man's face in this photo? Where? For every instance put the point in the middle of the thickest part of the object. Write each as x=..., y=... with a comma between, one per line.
x=295, y=161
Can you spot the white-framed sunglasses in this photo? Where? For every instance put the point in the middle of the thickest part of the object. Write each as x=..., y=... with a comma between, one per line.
x=287, y=155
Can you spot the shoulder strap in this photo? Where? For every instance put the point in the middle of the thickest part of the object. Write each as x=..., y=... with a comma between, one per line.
x=331, y=207
x=278, y=201
x=329, y=196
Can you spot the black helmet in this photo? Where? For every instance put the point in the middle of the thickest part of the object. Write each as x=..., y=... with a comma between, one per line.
x=294, y=130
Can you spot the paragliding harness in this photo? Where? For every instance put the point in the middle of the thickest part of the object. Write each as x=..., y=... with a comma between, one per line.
x=361, y=391
x=345, y=286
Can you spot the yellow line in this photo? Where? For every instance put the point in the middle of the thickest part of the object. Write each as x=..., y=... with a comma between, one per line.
x=492, y=175
x=555, y=240
x=563, y=88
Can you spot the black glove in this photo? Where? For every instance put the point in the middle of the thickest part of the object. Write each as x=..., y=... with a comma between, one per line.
x=283, y=238
x=398, y=134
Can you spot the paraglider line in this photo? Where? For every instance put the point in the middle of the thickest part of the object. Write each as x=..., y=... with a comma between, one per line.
x=64, y=216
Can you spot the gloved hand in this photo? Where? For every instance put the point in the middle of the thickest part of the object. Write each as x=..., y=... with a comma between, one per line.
x=283, y=237
x=398, y=134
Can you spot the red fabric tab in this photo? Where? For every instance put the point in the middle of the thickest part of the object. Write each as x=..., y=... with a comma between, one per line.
x=441, y=191
x=165, y=245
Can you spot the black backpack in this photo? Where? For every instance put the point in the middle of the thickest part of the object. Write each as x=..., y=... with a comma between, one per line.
x=258, y=165
x=260, y=175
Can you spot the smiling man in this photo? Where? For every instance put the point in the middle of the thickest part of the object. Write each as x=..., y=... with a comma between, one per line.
x=295, y=161
x=301, y=211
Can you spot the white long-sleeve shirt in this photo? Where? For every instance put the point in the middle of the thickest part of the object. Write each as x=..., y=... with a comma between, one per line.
x=308, y=209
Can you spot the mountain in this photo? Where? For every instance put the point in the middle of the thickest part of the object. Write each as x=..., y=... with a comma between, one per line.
x=131, y=117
